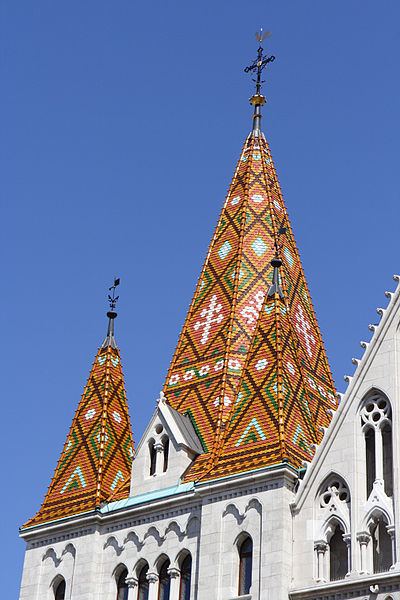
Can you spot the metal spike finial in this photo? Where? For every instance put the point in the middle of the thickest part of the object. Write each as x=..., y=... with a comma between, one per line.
x=257, y=66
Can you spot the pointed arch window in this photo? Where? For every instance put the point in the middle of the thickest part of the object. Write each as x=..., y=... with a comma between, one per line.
x=122, y=586
x=59, y=593
x=164, y=586
x=376, y=422
x=381, y=546
x=165, y=443
x=338, y=555
x=245, y=565
x=143, y=584
x=387, y=459
x=186, y=578
x=153, y=457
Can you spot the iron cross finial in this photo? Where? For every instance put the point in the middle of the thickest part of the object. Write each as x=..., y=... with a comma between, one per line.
x=261, y=61
x=112, y=299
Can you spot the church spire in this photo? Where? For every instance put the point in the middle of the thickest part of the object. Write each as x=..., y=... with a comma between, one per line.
x=250, y=368
x=95, y=464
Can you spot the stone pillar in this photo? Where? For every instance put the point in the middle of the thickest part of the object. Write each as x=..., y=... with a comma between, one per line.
x=391, y=532
x=320, y=548
x=363, y=539
x=132, y=583
x=378, y=455
x=152, y=578
x=159, y=448
x=175, y=577
x=347, y=540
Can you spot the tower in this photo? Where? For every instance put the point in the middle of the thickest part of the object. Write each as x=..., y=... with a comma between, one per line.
x=248, y=482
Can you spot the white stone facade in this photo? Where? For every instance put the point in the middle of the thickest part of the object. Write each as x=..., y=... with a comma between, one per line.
x=291, y=521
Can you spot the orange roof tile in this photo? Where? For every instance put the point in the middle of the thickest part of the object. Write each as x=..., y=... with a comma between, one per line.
x=213, y=376
x=95, y=464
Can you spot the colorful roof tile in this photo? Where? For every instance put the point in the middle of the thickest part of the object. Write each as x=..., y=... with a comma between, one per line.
x=95, y=464
x=214, y=365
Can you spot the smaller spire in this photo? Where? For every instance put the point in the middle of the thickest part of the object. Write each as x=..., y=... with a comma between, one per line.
x=257, y=67
x=275, y=288
x=111, y=314
x=276, y=263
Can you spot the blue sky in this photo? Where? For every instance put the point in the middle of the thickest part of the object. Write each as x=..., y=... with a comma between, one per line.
x=122, y=123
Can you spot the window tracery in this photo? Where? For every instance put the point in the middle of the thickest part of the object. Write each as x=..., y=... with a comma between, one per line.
x=332, y=545
x=376, y=423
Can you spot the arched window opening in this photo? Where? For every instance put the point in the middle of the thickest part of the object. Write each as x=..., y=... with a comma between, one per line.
x=245, y=566
x=164, y=581
x=165, y=443
x=370, y=458
x=381, y=546
x=338, y=561
x=122, y=586
x=153, y=457
x=59, y=593
x=376, y=421
x=186, y=578
x=387, y=459
x=143, y=584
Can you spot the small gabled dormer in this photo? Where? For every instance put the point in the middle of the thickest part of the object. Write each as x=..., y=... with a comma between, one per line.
x=167, y=448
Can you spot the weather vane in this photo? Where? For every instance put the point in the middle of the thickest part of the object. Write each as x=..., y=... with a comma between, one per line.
x=261, y=62
x=112, y=299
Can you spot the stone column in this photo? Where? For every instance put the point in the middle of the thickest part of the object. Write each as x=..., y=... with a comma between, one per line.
x=159, y=448
x=152, y=578
x=320, y=548
x=391, y=532
x=175, y=577
x=363, y=539
x=378, y=455
x=132, y=583
x=347, y=540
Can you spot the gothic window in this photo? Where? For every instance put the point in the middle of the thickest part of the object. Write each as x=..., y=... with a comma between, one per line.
x=376, y=421
x=153, y=457
x=164, y=581
x=122, y=586
x=165, y=443
x=381, y=546
x=186, y=578
x=387, y=459
x=338, y=562
x=59, y=593
x=370, y=458
x=143, y=584
x=245, y=565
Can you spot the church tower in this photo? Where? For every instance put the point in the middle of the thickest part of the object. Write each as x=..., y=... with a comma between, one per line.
x=239, y=488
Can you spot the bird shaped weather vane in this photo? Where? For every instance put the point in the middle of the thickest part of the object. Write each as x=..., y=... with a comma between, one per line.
x=112, y=299
x=260, y=63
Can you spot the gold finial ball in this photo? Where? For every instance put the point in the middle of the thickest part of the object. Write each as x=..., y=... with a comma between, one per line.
x=258, y=99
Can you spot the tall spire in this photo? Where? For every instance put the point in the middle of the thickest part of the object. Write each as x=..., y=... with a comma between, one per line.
x=256, y=68
x=95, y=464
x=252, y=320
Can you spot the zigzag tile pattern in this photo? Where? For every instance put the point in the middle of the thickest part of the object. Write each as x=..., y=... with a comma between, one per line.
x=95, y=464
x=206, y=372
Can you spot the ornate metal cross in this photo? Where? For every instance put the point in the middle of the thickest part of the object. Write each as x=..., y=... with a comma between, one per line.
x=260, y=62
